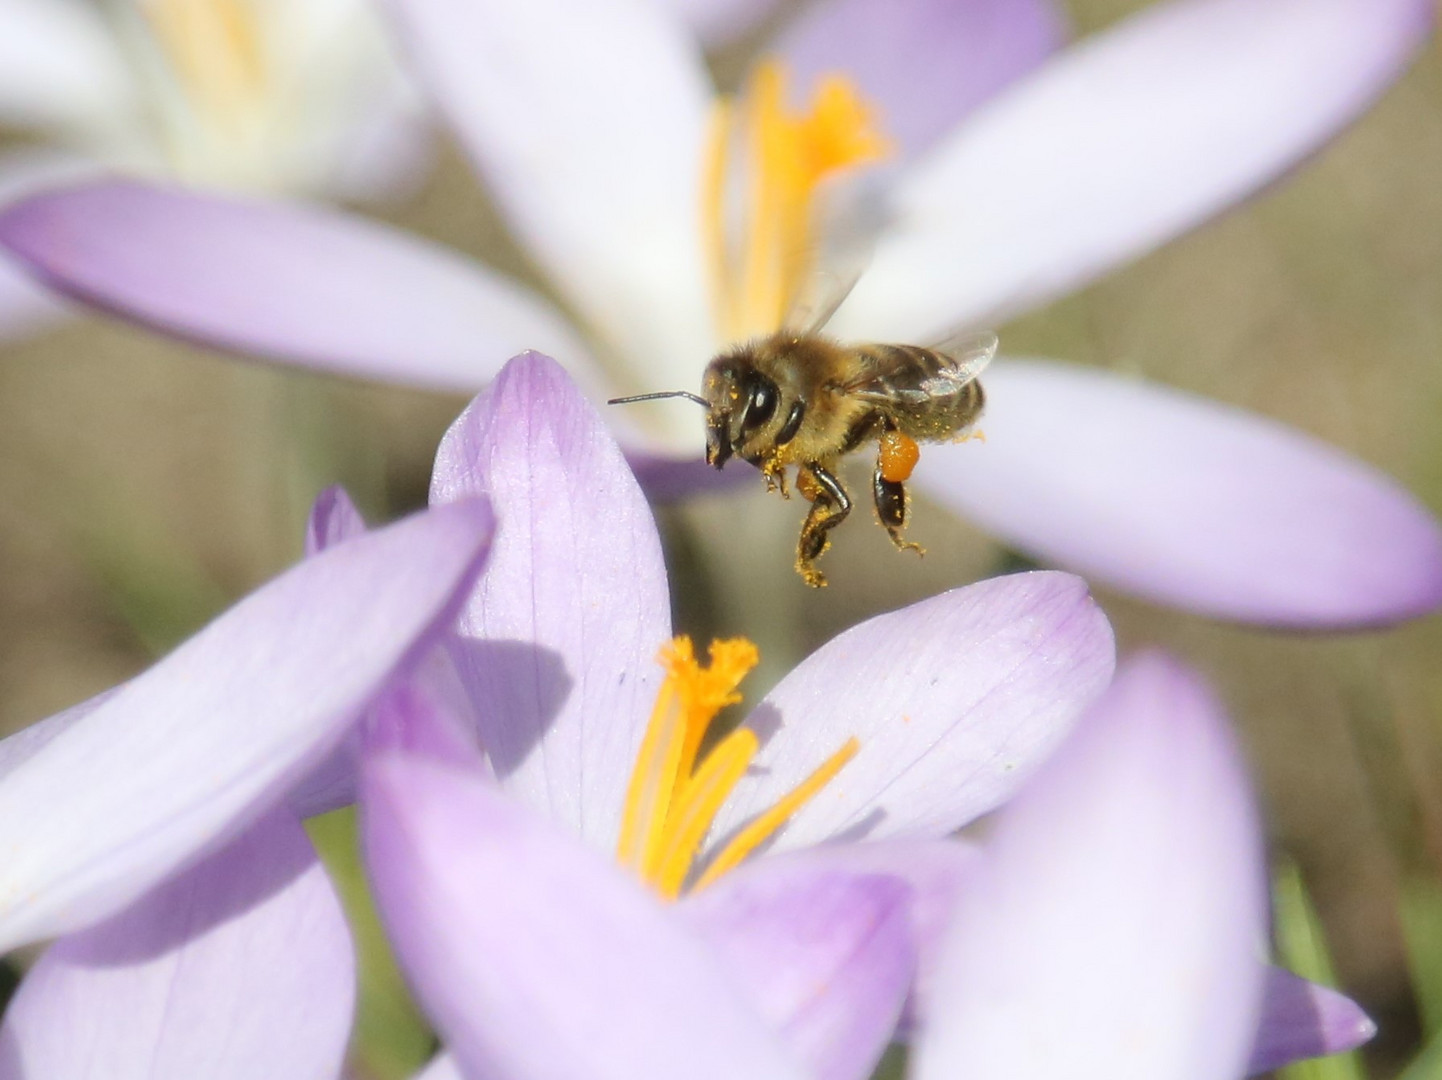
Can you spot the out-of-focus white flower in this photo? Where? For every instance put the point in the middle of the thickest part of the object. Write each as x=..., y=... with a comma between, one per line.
x=274, y=96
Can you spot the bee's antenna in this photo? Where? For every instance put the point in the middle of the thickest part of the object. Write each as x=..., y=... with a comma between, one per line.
x=697, y=398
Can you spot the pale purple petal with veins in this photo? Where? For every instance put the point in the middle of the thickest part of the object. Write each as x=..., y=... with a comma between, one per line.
x=1124, y=141
x=536, y=956
x=826, y=954
x=240, y=967
x=1302, y=1020
x=954, y=700
x=924, y=64
x=185, y=755
x=557, y=646
x=1189, y=502
x=1113, y=926
x=284, y=282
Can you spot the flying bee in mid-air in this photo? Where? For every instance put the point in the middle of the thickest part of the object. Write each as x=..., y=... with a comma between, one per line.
x=801, y=398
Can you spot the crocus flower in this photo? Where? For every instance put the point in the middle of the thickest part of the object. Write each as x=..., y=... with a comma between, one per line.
x=909, y=725
x=917, y=721
x=1110, y=926
x=133, y=822
x=1016, y=177
x=485, y=875
x=300, y=97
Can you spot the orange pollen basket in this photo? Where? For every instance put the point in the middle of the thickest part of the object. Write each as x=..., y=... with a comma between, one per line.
x=676, y=792
x=786, y=156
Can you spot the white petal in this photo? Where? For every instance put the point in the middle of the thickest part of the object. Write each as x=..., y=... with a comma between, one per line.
x=58, y=66
x=587, y=121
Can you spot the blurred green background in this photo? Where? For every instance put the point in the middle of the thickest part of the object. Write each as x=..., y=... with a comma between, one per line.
x=145, y=484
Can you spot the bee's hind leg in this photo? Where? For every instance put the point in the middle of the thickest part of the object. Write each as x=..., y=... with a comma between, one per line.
x=829, y=506
x=889, y=493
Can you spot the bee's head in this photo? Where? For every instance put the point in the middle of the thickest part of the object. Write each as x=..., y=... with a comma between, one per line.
x=740, y=404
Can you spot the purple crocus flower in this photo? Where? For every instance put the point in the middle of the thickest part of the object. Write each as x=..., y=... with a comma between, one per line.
x=1111, y=924
x=155, y=828
x=1020, y=175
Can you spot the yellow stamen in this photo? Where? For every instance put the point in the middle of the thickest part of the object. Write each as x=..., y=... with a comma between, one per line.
x=653, y=781
x=700, y=801
x=713, y=215
x=217, y=50
x=788, y=156
x=675, y=793
x=689, y=699
x=762, y=827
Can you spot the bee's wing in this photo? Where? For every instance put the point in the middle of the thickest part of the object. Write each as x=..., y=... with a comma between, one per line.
x=969, y=352
x=964, y=356
x=849, y=215
x=818, y=298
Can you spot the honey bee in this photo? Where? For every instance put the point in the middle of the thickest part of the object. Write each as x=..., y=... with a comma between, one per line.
x=799, y=397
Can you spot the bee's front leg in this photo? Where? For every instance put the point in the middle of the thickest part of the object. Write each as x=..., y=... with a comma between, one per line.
x=829, y=506
x=774, y=473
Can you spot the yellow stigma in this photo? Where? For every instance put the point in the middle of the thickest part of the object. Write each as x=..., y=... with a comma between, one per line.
x=785, y=158
x=675, y=793
x=217, y=52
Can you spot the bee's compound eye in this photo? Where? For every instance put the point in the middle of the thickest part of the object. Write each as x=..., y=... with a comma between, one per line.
x=760, y=406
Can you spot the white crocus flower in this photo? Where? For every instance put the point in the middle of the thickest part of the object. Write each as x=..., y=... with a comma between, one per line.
x=264, y=96
x=1019, y=173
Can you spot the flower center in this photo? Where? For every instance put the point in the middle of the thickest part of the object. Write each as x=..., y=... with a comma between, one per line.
x=762, y=250
x=216, y=50
x=675, y=792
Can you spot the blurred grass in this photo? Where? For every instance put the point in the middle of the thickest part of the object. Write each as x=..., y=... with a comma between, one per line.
x=1302, y=948
x=390, y=1040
